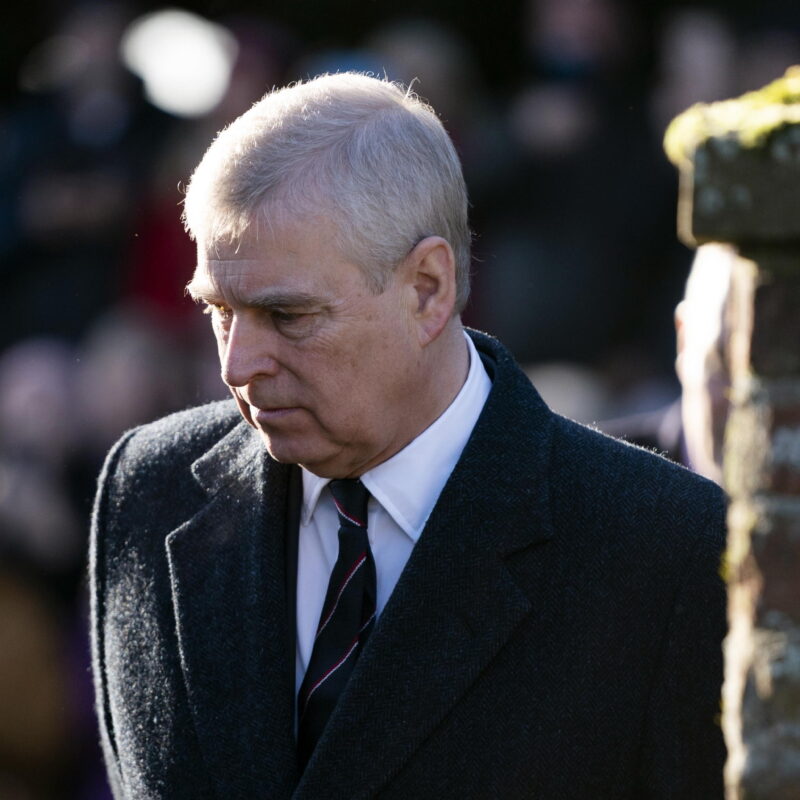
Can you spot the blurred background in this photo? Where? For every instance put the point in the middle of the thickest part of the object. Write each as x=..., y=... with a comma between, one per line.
x=558, y=109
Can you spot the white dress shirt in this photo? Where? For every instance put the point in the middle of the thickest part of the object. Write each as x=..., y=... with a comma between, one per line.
x=404, y=489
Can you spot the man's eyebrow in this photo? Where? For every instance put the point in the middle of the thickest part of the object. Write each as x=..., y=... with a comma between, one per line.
x=281, y=299
x=266, y=301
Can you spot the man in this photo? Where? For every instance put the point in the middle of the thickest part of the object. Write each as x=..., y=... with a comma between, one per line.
x=520, y=607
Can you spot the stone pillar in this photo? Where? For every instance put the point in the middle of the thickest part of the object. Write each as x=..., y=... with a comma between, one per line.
x=739, y=164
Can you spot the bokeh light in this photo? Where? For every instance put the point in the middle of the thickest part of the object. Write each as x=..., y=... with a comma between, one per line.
x=184, y=60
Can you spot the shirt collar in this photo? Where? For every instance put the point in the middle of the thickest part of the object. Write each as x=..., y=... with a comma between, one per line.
x=408, y=484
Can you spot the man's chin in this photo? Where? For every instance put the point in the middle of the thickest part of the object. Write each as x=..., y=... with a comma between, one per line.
x=282, y=451
x=323, y=464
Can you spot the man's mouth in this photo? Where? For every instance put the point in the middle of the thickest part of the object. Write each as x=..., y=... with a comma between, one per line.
x=258, y=416
x=266, y=415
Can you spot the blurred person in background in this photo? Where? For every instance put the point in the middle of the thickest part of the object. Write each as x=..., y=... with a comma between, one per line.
x=61, y=406
x=138, y=361
x=39, y=542
x=702, y=323
x=47, y=750
x=515, y=604
x=697, y=62
x=691, y=429
x=77, y=146
x=39, y=438
x=37, y=743
x=572, y=390
x=580, y=240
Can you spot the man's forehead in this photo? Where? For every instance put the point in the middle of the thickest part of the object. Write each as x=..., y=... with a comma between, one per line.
x=251, y=255
x=223, y=277
x=297, y=242
x=235, y=278
x=263, y=296
x=211, y=271
x=248, y=248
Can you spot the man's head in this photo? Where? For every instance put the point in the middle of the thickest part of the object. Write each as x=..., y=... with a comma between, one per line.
x=333, y=256
x=701, y=324
x=365, y=154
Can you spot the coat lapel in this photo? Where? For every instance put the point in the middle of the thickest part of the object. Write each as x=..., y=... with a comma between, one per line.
x=456, y=603
x=229, y=596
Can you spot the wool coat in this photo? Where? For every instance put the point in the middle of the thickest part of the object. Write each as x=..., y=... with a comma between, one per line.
x=555, y=634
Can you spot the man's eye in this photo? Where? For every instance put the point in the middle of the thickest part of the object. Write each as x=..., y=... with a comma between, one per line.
x=295, y=325
x=285, y=317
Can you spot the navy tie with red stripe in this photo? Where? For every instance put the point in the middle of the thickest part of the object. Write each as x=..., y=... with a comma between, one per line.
x=347, y=618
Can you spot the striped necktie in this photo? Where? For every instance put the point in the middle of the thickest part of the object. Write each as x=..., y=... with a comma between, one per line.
x=347, y=618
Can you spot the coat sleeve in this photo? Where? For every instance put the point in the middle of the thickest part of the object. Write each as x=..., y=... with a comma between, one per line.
x=97, y=584
x=684, y=750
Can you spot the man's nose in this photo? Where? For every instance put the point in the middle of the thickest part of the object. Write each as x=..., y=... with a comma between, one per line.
x=247, y=352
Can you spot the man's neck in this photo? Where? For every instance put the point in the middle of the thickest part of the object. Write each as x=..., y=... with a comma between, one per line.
x=446, y=369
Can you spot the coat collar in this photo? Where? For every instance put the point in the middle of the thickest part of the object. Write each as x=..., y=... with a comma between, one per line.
x=456, y=603
x=229, y=597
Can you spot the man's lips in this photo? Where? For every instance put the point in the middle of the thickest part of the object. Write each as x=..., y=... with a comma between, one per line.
x=267, y=415
x=260, y=415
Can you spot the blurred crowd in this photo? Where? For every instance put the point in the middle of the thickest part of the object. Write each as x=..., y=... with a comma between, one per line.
x=577, y=266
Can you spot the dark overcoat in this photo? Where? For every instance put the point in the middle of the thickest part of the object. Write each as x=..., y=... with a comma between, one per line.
x=556, y=633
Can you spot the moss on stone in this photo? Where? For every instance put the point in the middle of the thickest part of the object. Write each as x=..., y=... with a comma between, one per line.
x=748, y=119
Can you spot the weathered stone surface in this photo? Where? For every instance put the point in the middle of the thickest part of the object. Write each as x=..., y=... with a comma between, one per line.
x=743, y=195
x=740, y=184
x=764, y=560
x=776, y=551
x=739, y=162
x=739, y=322
x=762, y=703
x=772, y=770
x=746, y=459
x=770, y=285
x=769, y=718
x=762, y=439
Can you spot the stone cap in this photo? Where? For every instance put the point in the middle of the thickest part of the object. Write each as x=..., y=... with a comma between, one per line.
x=739, y=163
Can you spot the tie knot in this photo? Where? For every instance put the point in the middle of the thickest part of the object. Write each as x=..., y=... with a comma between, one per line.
x=351, y=498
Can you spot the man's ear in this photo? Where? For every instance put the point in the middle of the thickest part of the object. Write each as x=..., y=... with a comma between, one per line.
x=431, y=279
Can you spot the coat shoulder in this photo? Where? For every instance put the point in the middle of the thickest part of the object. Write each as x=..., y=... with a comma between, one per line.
x=150, y=466
x=178, y=438
x=626, y=484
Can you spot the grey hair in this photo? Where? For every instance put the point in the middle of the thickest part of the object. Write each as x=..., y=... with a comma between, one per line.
x=363, y=152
